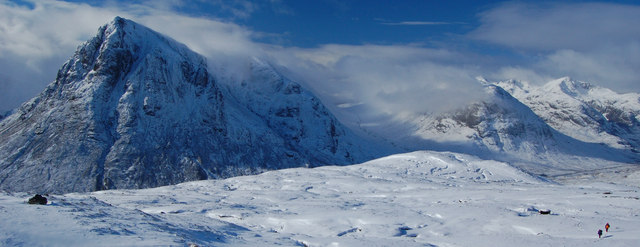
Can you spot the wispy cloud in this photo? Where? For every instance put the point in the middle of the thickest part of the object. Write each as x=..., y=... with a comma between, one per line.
x=582, y=26
x=419, y=23
x=279, y=7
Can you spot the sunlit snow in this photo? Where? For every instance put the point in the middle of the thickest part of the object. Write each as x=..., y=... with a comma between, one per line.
x=414, y=199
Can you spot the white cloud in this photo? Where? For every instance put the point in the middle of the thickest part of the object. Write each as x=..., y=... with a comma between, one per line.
x=36, y=32
x=582, y=26
x=391, y=80
x=238, y=8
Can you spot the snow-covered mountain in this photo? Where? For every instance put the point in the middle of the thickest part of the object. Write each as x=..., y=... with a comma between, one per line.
x=584, y=111
x=543, y=130
x=135, y=109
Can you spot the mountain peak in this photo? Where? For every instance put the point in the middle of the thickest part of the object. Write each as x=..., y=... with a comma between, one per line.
x=119, y=47
x=568, y=86
x=119, y=22
x=126, y=25
x=133, y=108
x=514, y=87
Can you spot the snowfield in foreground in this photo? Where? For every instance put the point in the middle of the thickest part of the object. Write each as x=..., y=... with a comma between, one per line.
x=414, y=199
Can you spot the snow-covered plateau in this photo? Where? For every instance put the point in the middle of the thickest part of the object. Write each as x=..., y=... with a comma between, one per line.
x=413, y=199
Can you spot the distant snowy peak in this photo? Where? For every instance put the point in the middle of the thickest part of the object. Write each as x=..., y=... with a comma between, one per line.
x=498, y=124
x=584, y=111
x=564, y=85
x=568, y=86
x=615, y=107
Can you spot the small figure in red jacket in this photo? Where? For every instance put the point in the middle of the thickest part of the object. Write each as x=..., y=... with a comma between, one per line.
x=606, y=227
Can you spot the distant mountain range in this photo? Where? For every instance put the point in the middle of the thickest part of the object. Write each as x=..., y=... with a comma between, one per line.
x=135, y=109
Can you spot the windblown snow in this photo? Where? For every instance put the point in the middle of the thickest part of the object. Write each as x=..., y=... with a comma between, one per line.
x=413, y=199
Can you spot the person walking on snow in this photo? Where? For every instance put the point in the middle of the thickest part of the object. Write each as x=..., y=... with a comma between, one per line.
x=599, y=233
x=606, y=227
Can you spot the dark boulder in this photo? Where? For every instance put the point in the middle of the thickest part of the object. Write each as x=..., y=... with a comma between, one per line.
x=38, y=199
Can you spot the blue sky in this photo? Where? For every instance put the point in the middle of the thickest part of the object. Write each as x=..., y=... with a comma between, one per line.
x=391, y=56
x=311, y=23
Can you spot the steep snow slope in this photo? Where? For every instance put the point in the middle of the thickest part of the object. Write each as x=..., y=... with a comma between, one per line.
x=583, y=111
x=135, y=109
x=412, y=199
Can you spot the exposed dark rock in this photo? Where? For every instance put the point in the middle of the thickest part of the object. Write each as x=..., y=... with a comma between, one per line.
x=38, y=199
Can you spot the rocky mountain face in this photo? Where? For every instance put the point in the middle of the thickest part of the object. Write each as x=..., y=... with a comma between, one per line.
x=135, y=109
